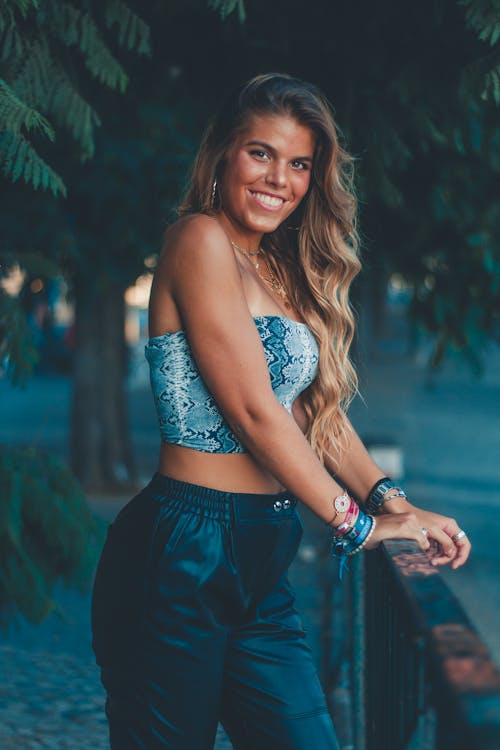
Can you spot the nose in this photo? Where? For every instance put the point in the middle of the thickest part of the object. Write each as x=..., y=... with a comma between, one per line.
x=276, y=174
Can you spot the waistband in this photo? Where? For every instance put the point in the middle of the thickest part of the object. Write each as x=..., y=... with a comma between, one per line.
x=226, y=506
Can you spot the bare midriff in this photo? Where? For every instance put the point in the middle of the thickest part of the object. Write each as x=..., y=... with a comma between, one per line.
x=229, y=472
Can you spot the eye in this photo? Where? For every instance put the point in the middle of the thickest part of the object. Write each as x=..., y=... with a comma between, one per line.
x=300, y=165
x=259, y=154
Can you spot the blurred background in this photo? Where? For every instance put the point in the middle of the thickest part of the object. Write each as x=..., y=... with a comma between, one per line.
x=102, y=106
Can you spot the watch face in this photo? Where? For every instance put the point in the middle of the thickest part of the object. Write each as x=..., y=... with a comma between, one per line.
x=342, y=503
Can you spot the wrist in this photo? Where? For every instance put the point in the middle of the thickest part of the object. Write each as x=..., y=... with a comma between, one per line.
x=397, y=505
x=345, y=509
x=384, y=493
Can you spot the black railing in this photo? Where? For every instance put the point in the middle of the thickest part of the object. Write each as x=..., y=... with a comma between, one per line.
x=422, y=679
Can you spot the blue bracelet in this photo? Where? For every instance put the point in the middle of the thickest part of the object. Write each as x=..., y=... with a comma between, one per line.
x=352, y=540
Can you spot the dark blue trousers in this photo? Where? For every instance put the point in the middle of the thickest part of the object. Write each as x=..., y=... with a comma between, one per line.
x=193, y=622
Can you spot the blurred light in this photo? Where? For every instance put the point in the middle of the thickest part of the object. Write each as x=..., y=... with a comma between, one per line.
x=399, y=283
x=138, y=294
x=429, y=282
x=13, y=281
x=36, y=286
x=151, y=261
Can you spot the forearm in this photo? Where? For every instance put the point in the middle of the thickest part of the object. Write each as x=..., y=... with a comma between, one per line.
x=354, y=466
x=359, y=472
x=278, y=444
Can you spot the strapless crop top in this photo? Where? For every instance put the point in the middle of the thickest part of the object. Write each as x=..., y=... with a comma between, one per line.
x=187, y=412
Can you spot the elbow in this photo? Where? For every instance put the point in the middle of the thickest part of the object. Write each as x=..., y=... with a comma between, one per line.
x=251, y=420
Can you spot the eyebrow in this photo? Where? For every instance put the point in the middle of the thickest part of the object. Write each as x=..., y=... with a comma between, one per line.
x=273, y=150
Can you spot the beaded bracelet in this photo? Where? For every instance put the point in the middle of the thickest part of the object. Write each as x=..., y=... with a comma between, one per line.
x=353, y=540
x=370, y=532
x=354, y=536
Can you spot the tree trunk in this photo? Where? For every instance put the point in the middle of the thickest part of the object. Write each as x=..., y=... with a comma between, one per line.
x=101, y=452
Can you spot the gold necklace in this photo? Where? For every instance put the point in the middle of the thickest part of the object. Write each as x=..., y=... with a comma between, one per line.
x=271, y=280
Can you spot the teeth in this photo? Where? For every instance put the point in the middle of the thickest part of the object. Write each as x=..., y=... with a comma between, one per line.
x=269, y=200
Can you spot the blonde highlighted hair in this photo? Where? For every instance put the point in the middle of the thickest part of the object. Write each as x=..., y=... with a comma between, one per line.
x=314, y=252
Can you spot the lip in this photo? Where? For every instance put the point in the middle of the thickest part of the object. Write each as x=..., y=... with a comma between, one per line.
x=255, y=195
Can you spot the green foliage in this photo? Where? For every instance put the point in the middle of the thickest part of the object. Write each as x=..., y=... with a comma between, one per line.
x=40, y=89
x=226, y=7
x=17, y=347
x=20, y=159
x=484, y=17
x=133, y=33
x=47, y=532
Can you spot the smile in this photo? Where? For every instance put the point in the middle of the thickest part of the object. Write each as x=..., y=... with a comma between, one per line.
x=268, y=201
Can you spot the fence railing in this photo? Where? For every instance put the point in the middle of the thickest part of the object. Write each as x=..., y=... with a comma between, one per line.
x=422, y=679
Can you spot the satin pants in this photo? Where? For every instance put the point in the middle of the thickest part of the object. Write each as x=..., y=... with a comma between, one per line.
x=193, y=623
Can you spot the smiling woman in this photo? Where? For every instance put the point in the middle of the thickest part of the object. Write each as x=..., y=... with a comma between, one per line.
x=250, y=328
x=266, y=174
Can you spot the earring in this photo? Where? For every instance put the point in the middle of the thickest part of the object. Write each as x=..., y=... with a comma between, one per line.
x=214, y=193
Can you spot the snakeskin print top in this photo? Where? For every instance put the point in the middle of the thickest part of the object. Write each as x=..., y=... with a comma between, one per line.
x=187, y=412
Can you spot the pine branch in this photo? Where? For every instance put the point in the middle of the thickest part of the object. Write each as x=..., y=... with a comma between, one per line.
x=133, y=33
x=75, y=28
x=12, y=42
x=31, y=77
x=37, y=87
x=492, y=85
x=483, y=16
x=15, y=114
x=226, y=7
x=72, y=112
x=8, y=7
x=18, y=158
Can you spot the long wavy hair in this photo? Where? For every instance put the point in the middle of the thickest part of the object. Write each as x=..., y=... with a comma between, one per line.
x=314, y=252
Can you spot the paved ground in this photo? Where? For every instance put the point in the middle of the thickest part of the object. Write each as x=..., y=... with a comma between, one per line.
x=448, y=430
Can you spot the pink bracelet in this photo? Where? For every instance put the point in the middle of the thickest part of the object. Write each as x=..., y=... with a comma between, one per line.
x=348, y=522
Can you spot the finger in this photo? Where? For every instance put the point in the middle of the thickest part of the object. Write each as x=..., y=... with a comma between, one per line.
x=463, y=545
x=421, y=535
x=447, y=549
x=463, y=551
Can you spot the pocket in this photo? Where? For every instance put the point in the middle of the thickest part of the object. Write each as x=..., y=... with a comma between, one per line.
x=264, y=550
x=169, y=530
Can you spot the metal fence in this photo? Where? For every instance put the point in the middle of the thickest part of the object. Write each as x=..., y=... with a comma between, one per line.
x=422, y=679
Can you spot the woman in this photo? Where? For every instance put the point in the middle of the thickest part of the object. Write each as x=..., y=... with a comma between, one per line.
x=250, y=330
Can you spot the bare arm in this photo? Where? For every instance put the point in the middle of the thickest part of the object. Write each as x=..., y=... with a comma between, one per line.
x=208, y=292
x=359, y=472
x=207, y=289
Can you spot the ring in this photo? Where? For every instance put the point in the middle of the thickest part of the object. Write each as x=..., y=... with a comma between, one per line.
x=424, y=531
x=459, y=535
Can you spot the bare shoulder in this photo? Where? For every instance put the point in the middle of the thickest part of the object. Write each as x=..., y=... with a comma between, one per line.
x=194, y=239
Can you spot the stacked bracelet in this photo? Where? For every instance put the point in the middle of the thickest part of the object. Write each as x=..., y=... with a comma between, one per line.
x=378, y=494
x=350, y=541
x=348, y=522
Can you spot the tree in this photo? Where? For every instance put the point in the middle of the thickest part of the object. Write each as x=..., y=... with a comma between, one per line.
x=47, y=50
x=414, y=91
x=47, y=533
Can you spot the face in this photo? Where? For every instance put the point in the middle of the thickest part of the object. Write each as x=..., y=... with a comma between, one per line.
x=266, y=174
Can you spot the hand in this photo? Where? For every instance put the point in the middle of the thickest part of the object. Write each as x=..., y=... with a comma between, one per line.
x=440, y=528
x=398, y=526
